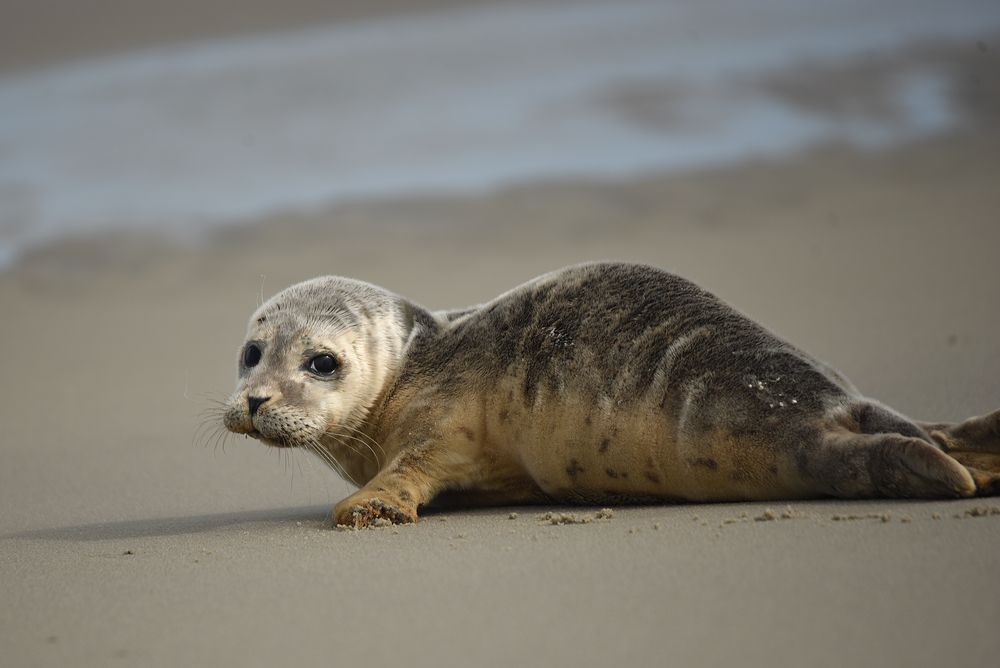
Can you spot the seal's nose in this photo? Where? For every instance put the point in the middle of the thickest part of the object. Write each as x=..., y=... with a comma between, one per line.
x=255, y=403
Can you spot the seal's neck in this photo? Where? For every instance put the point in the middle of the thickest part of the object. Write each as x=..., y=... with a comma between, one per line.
x=412, y=327
x=418, y=328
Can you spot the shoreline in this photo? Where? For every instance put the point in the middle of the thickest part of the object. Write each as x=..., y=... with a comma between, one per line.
x=227, y=131
x=685, y=194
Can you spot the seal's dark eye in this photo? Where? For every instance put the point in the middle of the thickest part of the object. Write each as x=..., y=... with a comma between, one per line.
x=251, y=355
x=324, y=365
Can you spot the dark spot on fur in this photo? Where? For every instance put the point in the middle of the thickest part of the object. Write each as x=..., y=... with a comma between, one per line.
x=707, y=462
x=468, y=433
x=587, y=420
x=504, y=415
x=261, y=320
x=740, y=475
x=405, y=496
x=652, y=477
x=603, y=447
x=407, y=460
x=574, y=469
x=611, y=473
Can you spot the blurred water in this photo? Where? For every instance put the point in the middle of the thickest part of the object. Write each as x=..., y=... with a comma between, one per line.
x=176, y=139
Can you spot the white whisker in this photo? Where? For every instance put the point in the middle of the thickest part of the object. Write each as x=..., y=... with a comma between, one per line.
x=345, y=433
x=313, y=445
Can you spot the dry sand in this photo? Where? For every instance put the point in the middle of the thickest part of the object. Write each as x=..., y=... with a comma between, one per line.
x=123, y=540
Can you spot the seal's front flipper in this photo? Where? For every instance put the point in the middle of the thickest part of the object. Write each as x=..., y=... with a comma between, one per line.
x=978, y=434
x=394, y=495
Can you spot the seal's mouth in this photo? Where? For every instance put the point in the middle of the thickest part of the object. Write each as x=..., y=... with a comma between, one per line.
x=273, y=441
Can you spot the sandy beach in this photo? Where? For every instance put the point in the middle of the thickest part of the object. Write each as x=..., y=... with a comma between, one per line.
x=126, y=538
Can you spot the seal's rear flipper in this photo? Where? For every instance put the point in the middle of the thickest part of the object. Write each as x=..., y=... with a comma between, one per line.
x=856, y=465
x=979, y=434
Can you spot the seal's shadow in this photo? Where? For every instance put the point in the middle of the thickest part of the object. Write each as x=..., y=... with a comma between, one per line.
x=177, y=526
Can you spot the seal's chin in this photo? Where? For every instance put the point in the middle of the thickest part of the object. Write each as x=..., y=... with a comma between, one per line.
x=274, y=441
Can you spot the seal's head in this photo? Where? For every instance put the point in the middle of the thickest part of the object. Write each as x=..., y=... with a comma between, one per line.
x=316, y=358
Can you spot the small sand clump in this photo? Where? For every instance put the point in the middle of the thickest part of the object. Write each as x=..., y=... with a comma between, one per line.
x=377, y=523
x=512, y=516
x=790, y=513
x=569, y=518
x=565, y=518
x=982, y=511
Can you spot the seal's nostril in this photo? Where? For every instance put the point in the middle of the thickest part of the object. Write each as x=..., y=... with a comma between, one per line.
x=255, y=403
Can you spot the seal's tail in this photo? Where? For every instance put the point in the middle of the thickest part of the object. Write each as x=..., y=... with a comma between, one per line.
x=976, y=444
x=978, y=434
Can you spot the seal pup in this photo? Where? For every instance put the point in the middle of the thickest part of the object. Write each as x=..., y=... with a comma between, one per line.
x=598, y=383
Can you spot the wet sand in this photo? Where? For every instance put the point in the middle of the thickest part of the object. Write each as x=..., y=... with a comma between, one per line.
x=36, y=33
